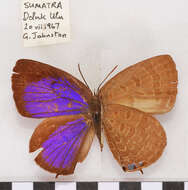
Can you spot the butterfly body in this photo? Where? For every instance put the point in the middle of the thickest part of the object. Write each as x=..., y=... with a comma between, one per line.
x=95, y=109
x=122, y=108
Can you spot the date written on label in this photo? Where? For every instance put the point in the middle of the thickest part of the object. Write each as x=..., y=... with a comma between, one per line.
x=45, y=22
x=44, y=26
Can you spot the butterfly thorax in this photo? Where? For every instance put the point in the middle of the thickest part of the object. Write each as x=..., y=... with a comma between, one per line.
x=95, y=109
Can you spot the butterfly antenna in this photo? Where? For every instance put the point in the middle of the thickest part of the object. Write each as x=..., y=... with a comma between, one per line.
x=106, y=78
x=82, y=76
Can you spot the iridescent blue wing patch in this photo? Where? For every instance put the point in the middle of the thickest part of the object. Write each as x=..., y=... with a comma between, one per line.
x=61, y=139
x=41, y=90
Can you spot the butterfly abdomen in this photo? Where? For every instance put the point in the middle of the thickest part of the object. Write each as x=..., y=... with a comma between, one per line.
x=95, y=109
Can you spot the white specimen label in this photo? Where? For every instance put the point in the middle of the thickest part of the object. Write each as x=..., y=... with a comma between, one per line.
x=45, y=22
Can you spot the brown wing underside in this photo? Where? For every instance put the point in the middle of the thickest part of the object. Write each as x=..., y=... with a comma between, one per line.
x=135, y=138
x=150, y=86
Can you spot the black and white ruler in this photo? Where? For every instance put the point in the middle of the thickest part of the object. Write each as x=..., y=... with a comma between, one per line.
x=94, y=186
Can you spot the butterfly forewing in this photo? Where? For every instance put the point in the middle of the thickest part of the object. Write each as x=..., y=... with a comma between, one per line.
x=135, y=138
x=150, y=86
x=64, y=140
x=41, y=90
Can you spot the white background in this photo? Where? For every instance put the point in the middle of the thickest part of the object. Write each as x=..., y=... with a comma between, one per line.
x=104, y=33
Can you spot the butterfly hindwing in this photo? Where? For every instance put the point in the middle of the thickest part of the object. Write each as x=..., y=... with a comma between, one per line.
x=65, y=140
x=150, y=86
x=41, y=90
x=135, y=138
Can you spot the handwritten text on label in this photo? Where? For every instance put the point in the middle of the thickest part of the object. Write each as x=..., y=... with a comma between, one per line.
x=45, y=22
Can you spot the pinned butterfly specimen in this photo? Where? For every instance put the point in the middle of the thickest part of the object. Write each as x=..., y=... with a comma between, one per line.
x=122, y=108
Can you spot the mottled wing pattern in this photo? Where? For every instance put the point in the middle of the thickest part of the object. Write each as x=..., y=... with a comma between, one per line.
x=135, y=138
x=41, y=90
x=64, y=140
x=150, y=86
